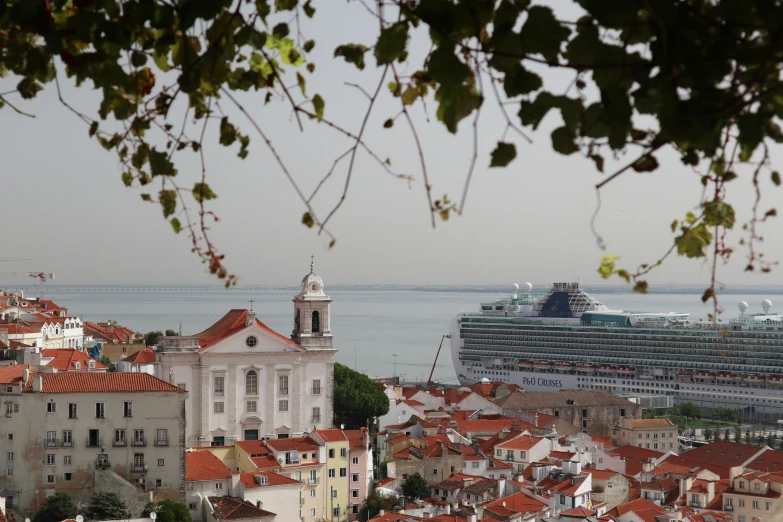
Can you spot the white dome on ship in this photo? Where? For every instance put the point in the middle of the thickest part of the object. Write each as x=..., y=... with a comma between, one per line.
x=742, y=305
x=528, y=287
x=766, y=304
x=516, y=288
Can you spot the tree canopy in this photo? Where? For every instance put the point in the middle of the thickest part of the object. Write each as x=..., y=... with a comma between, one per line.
x=700, y=78
x=106, y=506
x=168, y=511
x=374, y=503
x=58, y=507
x=104, y=359
x=688, y=409
x=415, y=487
x=357, y=400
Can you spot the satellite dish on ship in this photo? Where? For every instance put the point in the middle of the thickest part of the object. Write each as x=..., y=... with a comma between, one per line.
x=528, y=288
x=766, y=304
x=79, y=518
x=742, y=305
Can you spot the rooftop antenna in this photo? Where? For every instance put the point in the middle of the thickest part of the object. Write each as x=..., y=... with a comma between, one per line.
x=312, y=262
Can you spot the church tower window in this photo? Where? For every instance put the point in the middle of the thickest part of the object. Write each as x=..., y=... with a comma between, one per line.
x=316, y=322
x=251, y=383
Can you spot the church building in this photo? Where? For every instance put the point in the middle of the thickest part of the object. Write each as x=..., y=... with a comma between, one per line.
x=247, y=382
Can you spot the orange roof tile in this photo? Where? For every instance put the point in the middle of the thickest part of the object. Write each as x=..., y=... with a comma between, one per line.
x=265, y=462
x=253, y=447
x=231, y=323
x=64, y=360
x=12, y=374
x=580, y=511
x=229, y=508
x=724, y=453
x=516, y=503
x=357, y=438
x=141, y=357
x=272, y=479
x=18, y=329
x=298, y=444
x=520, y=442
x=203, y=465
x=634, y=457
x=331, y=435
x=79, y=382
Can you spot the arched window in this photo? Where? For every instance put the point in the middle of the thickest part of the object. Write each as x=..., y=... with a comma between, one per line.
x=251, y=383
x=316, y=322
x=296, y=321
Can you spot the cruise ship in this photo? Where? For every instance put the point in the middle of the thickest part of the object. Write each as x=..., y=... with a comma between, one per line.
x=567, y=339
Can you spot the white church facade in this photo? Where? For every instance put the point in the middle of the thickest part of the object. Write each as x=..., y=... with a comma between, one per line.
x=247, y=382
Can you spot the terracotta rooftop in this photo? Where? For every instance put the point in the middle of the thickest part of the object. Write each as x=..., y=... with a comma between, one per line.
x=357, y=439
x=203, y=465
x=141, y=357
x=293, y=444
x=103, y=382
x=643, y=508
x=634, y=457
x=229, y=508
x=12, y=374
x=232, y=323
x=520, y=442
x=724, y=453
x=249, y=480
x=331, y=435
x=516, y=503
x=265, y=462
x=580, y=511
x=64, y=360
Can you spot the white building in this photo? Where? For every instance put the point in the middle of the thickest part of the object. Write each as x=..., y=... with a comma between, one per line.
x=143, y=361
x=247, y=381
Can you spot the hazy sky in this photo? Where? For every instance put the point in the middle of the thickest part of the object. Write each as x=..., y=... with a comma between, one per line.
x=66, y=207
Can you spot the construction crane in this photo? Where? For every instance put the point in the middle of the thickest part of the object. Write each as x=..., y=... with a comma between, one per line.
x=42, y=276
x=447, y=336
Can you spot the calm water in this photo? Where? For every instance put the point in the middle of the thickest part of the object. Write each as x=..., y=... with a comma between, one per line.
x=368, y=325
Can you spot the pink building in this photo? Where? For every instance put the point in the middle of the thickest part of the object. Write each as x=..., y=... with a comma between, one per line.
x=359, y=469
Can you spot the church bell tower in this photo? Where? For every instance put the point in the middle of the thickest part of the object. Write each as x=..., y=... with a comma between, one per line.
x=312, y=316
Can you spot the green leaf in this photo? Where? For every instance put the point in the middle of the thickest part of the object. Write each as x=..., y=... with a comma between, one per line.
x=542, y=33
x=352, y=53
x=674, y=225
x=301, y=82
x=280, y=30
x=168, y=202
x=310, y=67
x=388, y=123
x=606, y=268
x=228, y=133
x=146, y=197
x=444, y=67
x=645, y=164
x=391, y=43
x=690, y=218
x=455, y=103
x=285, y=5
x=563, y=141
x=203, y=192
x=127, y=179
x=93, y=128
x=138, y=59
x=307, y=220
x=160, y=165
x=640, y=287
x=599, y=161
x=751, y=132
x=775, y=178
x=175, y=224
x=308, y=46
x=503, y=154
x=308, y=9
x=521, y=81
x=28, y=88
x=692, y=242
x=318, y=105
x=718, y=213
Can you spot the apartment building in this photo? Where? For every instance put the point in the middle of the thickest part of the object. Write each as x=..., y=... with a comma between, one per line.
x=752, y=496
x=654, y=434
x=60, y=428
x=522, y=450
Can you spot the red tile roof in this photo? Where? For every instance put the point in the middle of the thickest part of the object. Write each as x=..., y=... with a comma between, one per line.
x=520, y=442
x=272, y=479
x=228, y=508
x=79, y=382
x=12, y=374
x=564, y=487
x=64, y=358
x=142, y=356
x=724, y=453
x=203, y=465
x=634, y=457
x=678, y=464
x=516, y=503
x=254, y=447
x=384, y=482
x=265, y=462
x=331, y=435
x=561, y=455
x=770, y=461
x=232, y=323
x=641, y=507
x=18, y=329
x=357, y=438
x=580, y=511
x=294, y=444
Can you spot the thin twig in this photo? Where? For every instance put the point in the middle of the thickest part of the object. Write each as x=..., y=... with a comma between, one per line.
x=285, y=89
x=474, y=158
x=360, y=88
x=328, y=174
x=15, y=108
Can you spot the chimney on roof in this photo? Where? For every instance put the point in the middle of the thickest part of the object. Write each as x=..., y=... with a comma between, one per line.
x=4, y=336
x=26, y=375
x=250, y=318
x=37, y=383
x=710, y=491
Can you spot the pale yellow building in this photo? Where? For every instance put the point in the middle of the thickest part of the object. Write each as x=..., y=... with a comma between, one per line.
x=752, y=496
x=338, y=489
x=653, y=434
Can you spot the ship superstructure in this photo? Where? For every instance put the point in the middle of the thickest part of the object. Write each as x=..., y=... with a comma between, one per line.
x=566, y=339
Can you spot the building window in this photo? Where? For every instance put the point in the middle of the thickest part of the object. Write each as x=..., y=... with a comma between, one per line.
x=282, y=385
x=521, y=454
x=343, y=472
x=51, y=439
x=282, y=405
x=138, y=461
x=192, y=507
x=312, y=493
x=312, y=512
x=562, y=499
x=755, y=504
x=316, y=386
x=103, y=459
x=67, y=438
x=67, y=459
x=162, y=437
x=331, y=453
x=335, y=511
x=218, y=486
x=10, y=436
x=182, y=385
x=127, y=409
x=158, y=483
x=50, y=479
x=161, y=462
x=331, y=472
x=251, y=383
x=756, y=486
x=50, y=459
x=741, y=484
x=219, y=384
x=355, y=477
x=66, y=477
x=119, y=437
x=10, y=455
x=51, y=407
x=355, y=493
x=343, y=452
x=316, y=322
x=622, y=412
x=251, y=341
x=741, y=502
x=9, y=471
x=138, y=437
x=100, y=412
x=251, y=406
x=72, y=411
x=334, y=493
x=316, y=414
x=190, y=486
x=218, y=407
x=769, y=505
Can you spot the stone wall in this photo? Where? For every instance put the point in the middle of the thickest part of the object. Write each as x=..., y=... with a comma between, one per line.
x=107, y=481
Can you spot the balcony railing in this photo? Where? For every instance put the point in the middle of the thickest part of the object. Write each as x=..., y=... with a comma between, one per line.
x=317, y=419
x=728, y=507
x=137, y=467
x=315, y=391
x=161, y=442
x=122, y=442
x=312, y=481
x=139, y=442
x=93, y=443
x=52, y=443
x=67, y=443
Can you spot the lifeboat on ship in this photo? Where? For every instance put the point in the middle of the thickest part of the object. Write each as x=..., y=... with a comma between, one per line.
x=565, y=366
x=607, y=368
x=626, y=370
x=724, y=376
x=585, y=367
x=753, y=378
x=542, y=365
x=525, y=364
